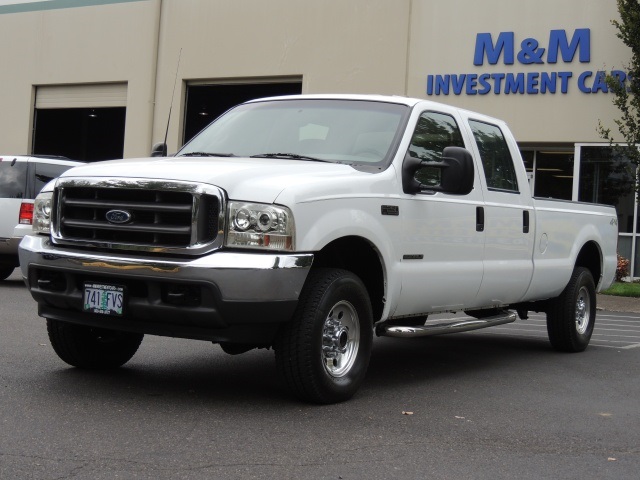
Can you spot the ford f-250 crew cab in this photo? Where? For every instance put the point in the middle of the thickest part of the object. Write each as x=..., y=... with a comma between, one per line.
x=306, y=224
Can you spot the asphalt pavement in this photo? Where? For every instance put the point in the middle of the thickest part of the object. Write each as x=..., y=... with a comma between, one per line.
x=493, y=404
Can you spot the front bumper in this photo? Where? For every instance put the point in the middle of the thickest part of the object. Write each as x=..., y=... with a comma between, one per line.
x=224, y=296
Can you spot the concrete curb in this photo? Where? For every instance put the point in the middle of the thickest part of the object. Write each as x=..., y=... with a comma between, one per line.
x=612, y=303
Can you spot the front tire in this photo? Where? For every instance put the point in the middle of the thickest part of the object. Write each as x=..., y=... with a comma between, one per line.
x=92, y=348
x=323, y=353
x=572, y=316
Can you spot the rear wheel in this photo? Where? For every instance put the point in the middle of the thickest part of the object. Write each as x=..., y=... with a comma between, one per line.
x=323, y=353
x=88, y=347
x=571, y=316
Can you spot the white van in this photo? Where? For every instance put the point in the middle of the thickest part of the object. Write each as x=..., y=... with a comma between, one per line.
x=21, y=179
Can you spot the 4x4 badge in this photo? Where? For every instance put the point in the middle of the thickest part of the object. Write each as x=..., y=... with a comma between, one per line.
x=118, y=216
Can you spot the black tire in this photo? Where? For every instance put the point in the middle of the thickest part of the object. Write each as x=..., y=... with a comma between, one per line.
x=92, y=348
x=322, y=355
x=572, y=316
x=5, y=272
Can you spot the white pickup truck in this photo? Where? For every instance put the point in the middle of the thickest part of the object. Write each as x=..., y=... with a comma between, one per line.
x=305, y=224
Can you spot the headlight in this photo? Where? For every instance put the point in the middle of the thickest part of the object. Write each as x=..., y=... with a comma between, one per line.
x=42, y=212
x=254, y=225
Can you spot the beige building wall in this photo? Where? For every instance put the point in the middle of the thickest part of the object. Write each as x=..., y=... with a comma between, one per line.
x=95, y=44
x=360, y=46
x=336, y=46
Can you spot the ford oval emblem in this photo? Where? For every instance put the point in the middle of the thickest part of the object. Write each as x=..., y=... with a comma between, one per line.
x=118, y=216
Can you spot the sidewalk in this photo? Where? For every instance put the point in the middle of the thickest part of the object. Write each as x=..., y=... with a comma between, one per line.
x=618, y=304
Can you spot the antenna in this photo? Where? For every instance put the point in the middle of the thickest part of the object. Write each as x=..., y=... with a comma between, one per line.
x=166, y=133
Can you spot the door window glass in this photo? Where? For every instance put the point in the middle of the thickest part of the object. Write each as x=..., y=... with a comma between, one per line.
x=434, y=132
x=496, y=158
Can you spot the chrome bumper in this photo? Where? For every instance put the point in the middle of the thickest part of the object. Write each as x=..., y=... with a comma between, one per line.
x=234, y=290
x=251, y=277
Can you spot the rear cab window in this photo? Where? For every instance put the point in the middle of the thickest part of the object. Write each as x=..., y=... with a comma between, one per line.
x=13, y=178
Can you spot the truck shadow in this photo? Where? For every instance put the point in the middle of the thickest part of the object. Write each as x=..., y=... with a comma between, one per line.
x=405, y=361
x=206, y=374
x=14, y=282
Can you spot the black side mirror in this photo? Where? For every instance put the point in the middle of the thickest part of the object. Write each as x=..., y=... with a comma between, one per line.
x=455, y=170
x=159, y=150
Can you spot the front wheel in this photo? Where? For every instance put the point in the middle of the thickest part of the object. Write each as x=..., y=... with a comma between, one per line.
x=323, y=353
x=92, y=348
x=571, y=316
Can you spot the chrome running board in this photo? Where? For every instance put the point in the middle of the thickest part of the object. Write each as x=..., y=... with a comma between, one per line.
x=454, y=326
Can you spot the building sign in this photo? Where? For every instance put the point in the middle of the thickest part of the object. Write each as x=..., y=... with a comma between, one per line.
x=559, y=51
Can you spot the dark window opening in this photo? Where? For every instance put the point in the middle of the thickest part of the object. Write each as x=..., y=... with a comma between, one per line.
x=207, y=102
x=88, y=134
x=554, y=175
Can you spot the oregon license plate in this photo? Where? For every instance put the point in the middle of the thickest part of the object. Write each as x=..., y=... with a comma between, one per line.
x=102, y=298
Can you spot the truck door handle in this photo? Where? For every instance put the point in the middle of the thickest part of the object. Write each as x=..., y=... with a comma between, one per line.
x=525, y=221
x=479, y=219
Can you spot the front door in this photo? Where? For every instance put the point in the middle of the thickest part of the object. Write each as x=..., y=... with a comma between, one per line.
x=442, y=249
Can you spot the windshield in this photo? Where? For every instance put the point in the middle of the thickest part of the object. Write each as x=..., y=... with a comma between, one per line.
x=341, y=131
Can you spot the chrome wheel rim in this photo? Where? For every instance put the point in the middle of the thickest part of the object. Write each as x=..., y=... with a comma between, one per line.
x=340, y=339
x=583, y=310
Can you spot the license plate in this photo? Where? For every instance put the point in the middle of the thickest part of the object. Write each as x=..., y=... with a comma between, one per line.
x=103, y=299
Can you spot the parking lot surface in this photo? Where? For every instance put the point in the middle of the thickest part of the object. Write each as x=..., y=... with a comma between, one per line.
x=491, y=404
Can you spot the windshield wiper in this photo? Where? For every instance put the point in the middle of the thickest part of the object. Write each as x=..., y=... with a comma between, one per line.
x=294, y=156
x=206, y=154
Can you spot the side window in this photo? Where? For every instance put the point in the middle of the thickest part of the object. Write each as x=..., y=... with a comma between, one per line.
x=46, y=172
x=496, y=159
x=434, y=132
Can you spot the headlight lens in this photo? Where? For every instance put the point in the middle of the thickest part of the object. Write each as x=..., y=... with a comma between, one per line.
x=255, y=225
x=42, y=213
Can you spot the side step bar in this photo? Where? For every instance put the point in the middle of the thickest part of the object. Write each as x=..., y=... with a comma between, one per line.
x=454, y=326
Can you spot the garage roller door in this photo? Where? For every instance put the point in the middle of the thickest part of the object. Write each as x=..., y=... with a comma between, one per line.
x=82, y=96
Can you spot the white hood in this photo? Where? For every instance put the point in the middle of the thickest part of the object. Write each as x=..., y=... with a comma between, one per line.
x=247, y=179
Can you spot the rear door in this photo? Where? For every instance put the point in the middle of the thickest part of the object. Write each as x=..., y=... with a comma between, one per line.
x=508, y=214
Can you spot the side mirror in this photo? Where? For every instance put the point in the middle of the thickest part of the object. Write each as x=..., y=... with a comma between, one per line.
x=159, y=150
x=454, y=172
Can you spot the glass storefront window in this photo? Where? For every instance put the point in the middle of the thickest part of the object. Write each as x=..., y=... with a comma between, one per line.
x=607, y=177
x=549, y=172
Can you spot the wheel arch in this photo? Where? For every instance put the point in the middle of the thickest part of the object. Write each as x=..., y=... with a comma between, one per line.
x=361, y=257
x=590, y=257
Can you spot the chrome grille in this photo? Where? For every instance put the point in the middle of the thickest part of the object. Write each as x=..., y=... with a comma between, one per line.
x=155, y=215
